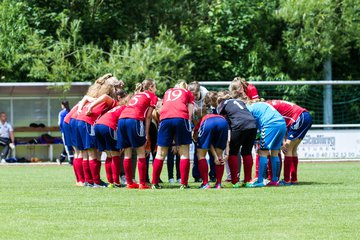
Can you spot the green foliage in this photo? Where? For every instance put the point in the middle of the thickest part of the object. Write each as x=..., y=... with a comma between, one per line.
x=161, y=59
x=317, y=30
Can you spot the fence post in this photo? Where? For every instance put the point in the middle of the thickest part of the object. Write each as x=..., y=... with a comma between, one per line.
x=328, y=100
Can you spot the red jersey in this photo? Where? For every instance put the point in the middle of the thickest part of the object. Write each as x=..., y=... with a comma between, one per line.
x=111, y=117
x=204, y=118
x=290, y=111
x=71, y=114
x=96, y=111
x=138, y=105
x=252, y=92
x=175, y=103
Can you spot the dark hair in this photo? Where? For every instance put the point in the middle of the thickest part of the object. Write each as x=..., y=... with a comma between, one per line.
x=121, y=93
x=65, y=103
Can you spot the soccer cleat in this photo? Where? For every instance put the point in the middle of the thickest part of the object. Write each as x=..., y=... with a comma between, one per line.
x=110, y=185
x=228, y=180
x=197, y=180
x=156, y=186
x=218, y=186
x=184, y=186
x=87, y=184
x=272, y=184
x=206, y=186
x=253, y=180
x=171, y=181
x=178, y=180
x=101, y=185
x=118, y=185
x=132, y=186
x=123, y=179
x=294, y=183
x=236, y=185
x=284, y=183
x=144, y=186
x=255, y=185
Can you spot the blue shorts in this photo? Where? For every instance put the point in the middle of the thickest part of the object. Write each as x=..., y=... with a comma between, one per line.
x=105, y=138
x=85, y=136
x=67, y=133
x=300, y=127
x=271, y=137
x=73, y=127
x=213, y=131
x=178, y=129
x=130, y=133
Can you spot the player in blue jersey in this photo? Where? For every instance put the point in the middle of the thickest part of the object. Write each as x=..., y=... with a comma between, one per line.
x=272, y=129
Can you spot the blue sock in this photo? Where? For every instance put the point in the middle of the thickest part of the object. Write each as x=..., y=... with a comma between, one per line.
x=275, y=168
x=262, y=168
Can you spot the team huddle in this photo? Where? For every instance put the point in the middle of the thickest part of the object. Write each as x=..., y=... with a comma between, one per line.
x=221, y=124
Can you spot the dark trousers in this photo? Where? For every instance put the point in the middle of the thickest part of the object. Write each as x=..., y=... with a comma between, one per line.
x=170, y=164
x=5, y=143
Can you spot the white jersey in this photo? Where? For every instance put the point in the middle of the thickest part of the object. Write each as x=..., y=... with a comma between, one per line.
x=199, y=104
x=5, y=130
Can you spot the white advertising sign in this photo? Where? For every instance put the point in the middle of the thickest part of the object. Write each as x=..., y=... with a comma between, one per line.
x=330, y=144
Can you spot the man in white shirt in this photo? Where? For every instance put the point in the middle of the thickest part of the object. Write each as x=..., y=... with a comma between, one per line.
x=6, y=136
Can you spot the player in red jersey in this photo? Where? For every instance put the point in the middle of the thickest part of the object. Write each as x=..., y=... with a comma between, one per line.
x=85, y=135
x=211, y=133
x=240, y=88
x=298, y=122
x=175, y=118
x=70, y=125
x=131, y=130
x=105, y=133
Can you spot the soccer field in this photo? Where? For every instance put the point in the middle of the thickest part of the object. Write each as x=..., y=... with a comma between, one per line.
x=42, y=202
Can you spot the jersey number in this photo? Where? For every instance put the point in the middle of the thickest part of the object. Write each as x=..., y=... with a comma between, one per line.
x=134, y=100
x=173, y=95
x=239, y=105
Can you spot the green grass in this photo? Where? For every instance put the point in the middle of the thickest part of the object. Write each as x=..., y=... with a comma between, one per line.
x=41, y=202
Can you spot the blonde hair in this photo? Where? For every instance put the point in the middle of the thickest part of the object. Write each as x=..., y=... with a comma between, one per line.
x=181, y=84
x=101, y=87
x=223, y=95
x=238, y=88
x=144, y=85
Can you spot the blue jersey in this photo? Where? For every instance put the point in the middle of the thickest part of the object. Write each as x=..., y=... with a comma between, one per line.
x=62, y=115
x=265, y=115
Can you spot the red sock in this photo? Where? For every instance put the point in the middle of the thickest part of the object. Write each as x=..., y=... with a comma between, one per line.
x=157, y=167
x=80, y=170
x=142, y=170
x=219, y=171
x=257, y=165
x=203, y=169
x=108, y=170
x=248, y=163
x=234, y=168
x=269, y=169
x=75, y=166
x=184, y=171
x=87, y=172
x=287, y=168
x=115, y=169
x=95, y=167
x=294, y=166
x=128, y=170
